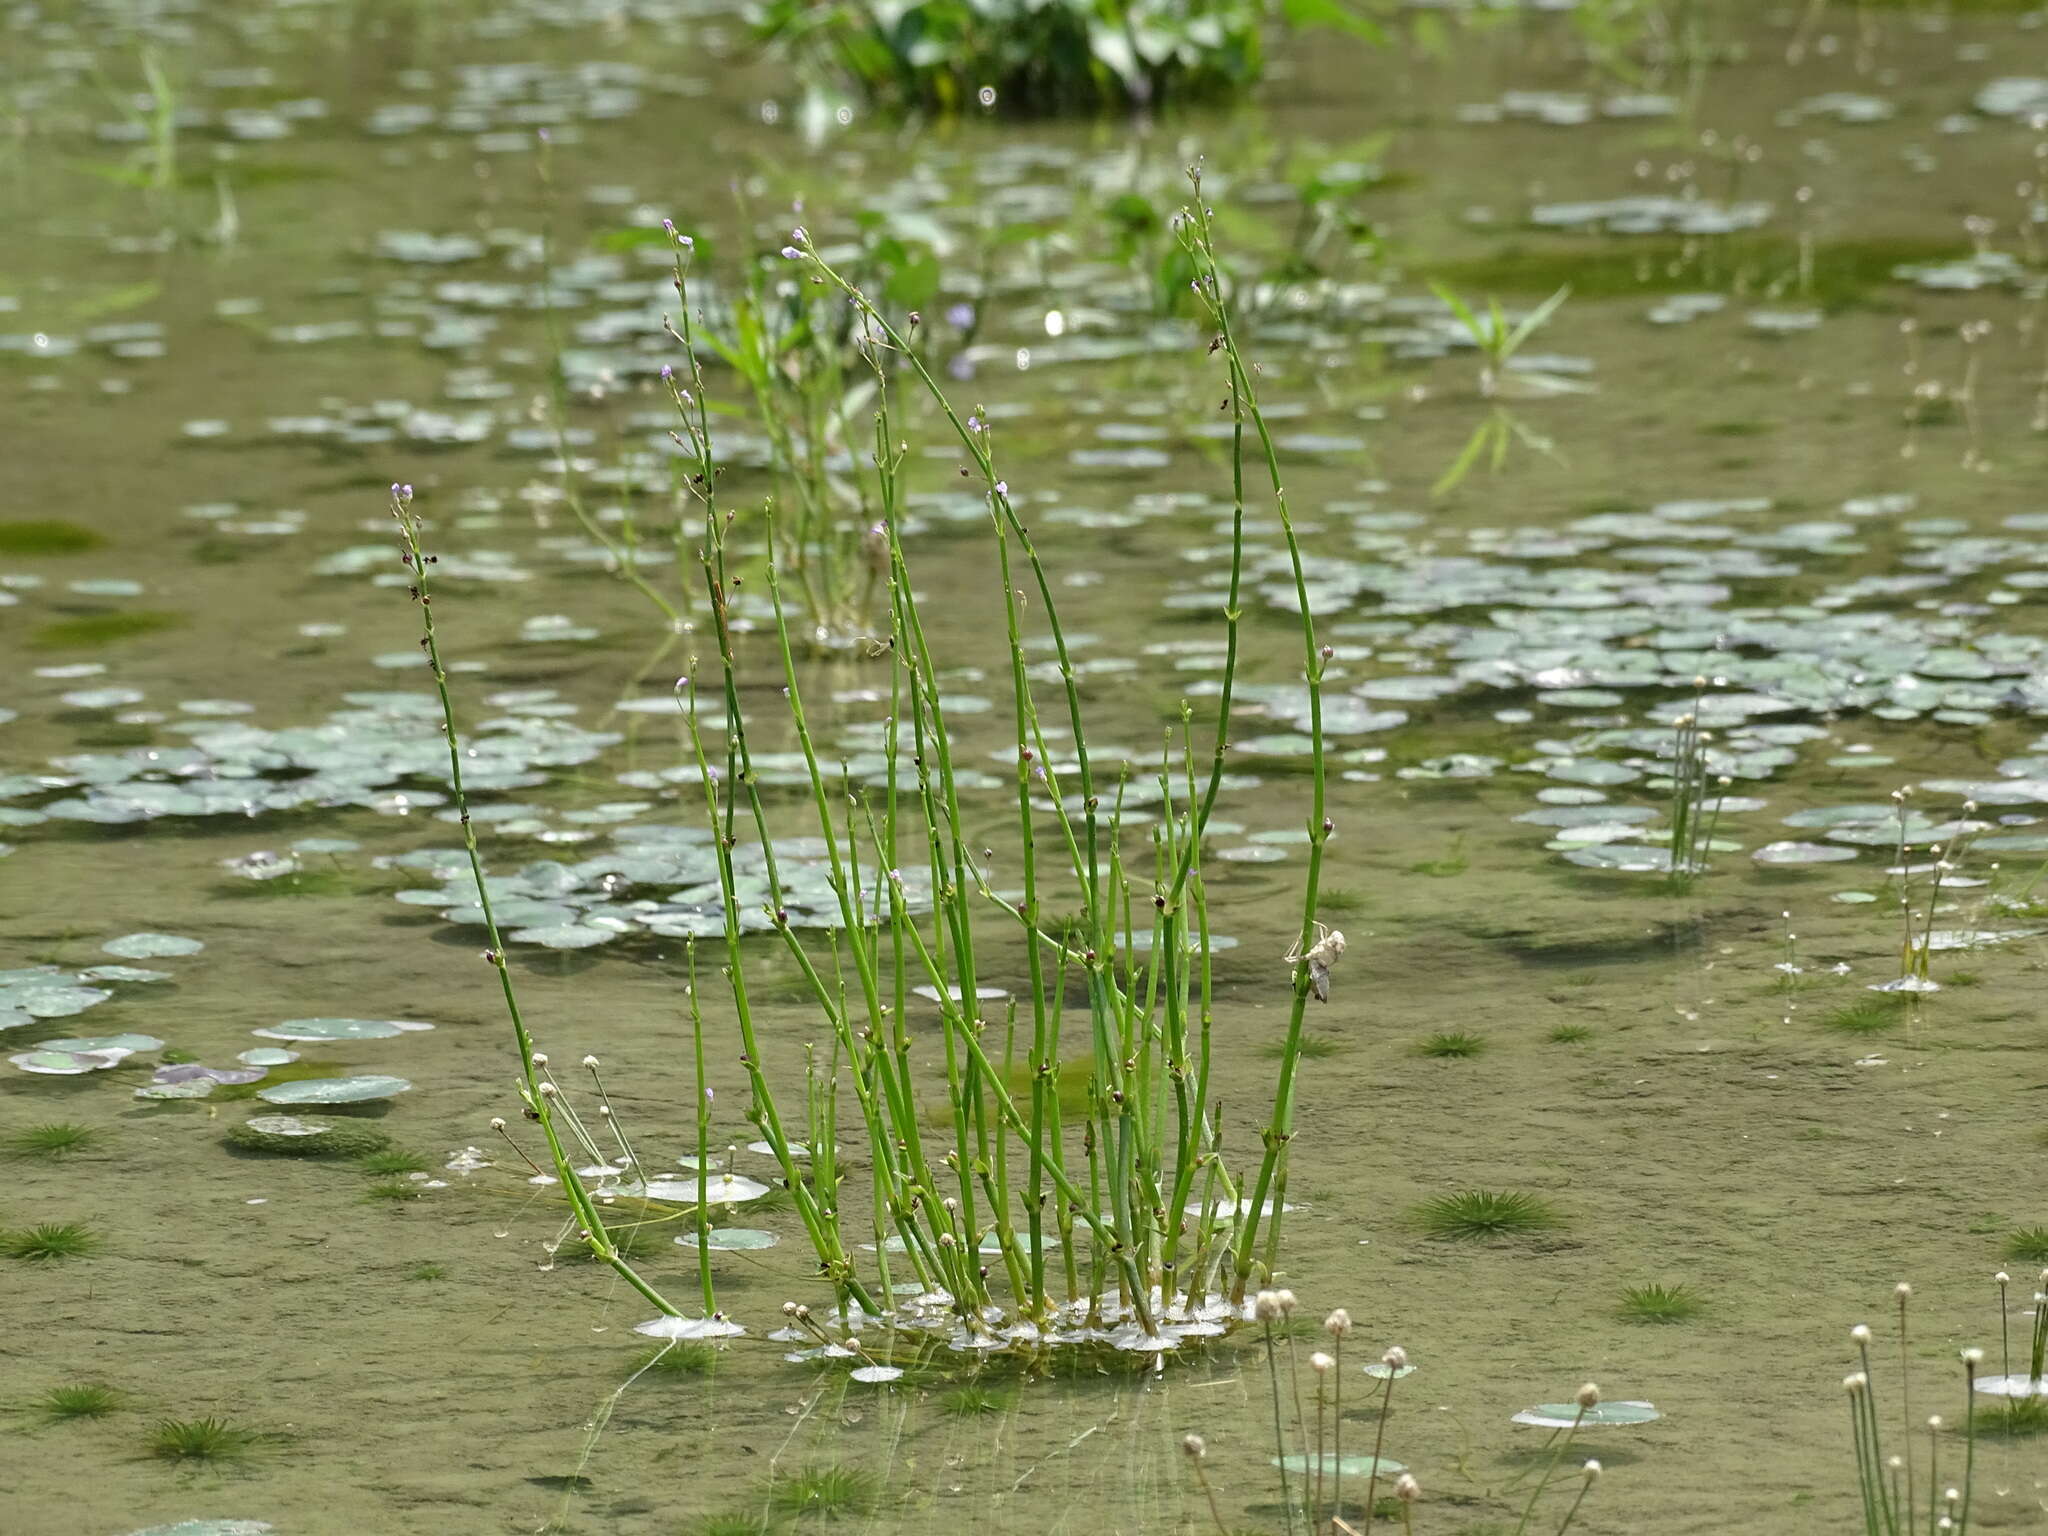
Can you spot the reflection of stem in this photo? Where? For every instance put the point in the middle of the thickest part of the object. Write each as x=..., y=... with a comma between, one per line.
x=1279, y=1439
x=1372, y=1481
x=1555, y=1457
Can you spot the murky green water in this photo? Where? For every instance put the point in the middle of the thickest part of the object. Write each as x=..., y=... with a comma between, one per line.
x=1820, y=485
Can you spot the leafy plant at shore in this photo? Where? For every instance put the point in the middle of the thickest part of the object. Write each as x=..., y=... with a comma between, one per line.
x=1020, y=57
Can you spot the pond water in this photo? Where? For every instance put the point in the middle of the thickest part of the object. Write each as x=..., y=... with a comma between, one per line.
x=1786, y=435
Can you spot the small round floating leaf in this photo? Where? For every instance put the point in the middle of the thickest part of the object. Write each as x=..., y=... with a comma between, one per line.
x=732, y=1239
x=334, y=1090
x=267, y=1056
x=1564, y=1415
x=151, y=946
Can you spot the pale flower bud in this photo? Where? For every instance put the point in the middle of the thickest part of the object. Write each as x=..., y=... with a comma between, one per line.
x=1266, y=1306
x=1320, y=1363
x=497, y=1123
x=590, y=1061
x=1286, y=1302
x=1973, y=1358
x=1592, y=1470
x=1406, y=1489
x=1902, y=1290
x=1589, y=1396
x=1338, y=1323
x=1396, y=1358
x=1855, y=1382
x=1194, y=1446
x=1860, y=1333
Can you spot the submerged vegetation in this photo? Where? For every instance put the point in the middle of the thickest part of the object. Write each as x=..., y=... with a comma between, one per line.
x=51, y=1139
x=1657, y=1302
x=209, y=1440
x=49, y=1240
x=1477, y=1214
x=78, y=1400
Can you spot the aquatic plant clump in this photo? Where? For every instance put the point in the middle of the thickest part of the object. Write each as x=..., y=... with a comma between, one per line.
x=292, y=1136
x=1011, y=1213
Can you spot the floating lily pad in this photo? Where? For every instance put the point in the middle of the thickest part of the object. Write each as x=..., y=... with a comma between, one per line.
x=127, y=1045
x=1564, y=1415
x=732, y=1240
x=1801, y=853
x=54, y=1001
x=334, y=1090
x=719, y=1189
x=1339, y=1466
x=209, y=1528
x=689, y=1328
x=66, y=1063
x=267, y=1056
x=878, y=1373
x=338, y=1029
x=151, y=946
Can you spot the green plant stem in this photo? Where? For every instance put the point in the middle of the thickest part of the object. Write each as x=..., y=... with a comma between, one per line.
x=541, y=1106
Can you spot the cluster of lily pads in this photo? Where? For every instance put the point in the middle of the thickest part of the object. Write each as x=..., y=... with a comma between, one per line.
x=41, y=992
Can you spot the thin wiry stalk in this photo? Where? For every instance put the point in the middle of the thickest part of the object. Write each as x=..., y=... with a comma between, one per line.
x=540, y=1106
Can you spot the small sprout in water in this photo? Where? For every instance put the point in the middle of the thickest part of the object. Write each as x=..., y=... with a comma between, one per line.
x=207, y=1439
x=51, y=1240
x=393, y=1190
x=2029, y=1245
x=1482, y=1213
x=427, y=1272
x=680, y=1357
x=79, y=1400
x=970, y=1402
x=392, y=1160
x=838, y=1488
x=55, y=1138
x=1658, y=1303
x=1571, y=1034
x=1452, y=1044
